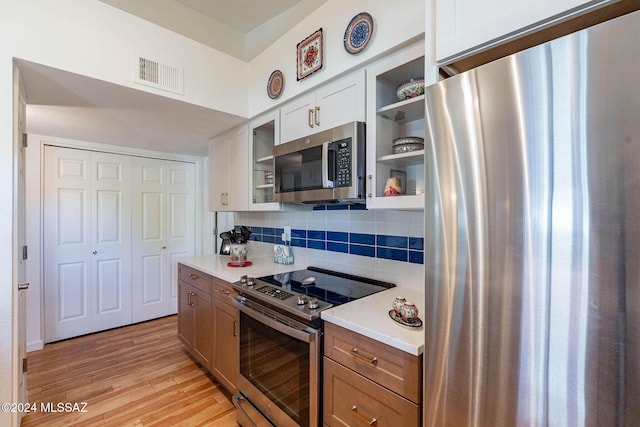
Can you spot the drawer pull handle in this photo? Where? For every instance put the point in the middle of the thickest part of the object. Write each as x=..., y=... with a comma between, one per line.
x=370, y=360
x=192, y=276
x=362, y=419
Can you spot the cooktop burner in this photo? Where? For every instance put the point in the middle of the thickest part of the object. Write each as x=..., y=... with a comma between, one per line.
x=305, y=293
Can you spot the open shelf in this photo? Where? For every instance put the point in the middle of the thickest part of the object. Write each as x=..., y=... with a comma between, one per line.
x=406, y=110
x=264, y=159
x=404, y=159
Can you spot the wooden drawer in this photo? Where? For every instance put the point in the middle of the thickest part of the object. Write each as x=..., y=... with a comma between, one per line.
x=394, y=369
x=222, y=290
x=197, y=278
x=352, y=400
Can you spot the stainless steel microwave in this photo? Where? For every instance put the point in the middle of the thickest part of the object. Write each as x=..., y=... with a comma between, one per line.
x=327, y=167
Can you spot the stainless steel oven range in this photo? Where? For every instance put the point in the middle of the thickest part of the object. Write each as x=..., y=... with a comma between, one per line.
x=280, y=380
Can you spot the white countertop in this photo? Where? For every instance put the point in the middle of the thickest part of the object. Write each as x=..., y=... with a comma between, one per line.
x=367, y=316
x=217, y=266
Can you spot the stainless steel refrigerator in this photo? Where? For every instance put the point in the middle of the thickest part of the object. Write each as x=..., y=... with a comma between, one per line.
x=532, y=312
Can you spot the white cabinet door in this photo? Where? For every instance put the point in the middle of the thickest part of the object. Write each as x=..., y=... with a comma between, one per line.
x=229, y=171
x=463, y=25
x=297, y=118
x=341, y=102
x=218, y=175
x=336, y=103
x=87, y=242
x=163, y=224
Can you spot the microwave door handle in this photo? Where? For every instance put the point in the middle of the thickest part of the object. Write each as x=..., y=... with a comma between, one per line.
x=328, y=166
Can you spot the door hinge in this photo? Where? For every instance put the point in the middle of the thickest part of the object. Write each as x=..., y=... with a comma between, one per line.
x=25, y=140
x=25, y=252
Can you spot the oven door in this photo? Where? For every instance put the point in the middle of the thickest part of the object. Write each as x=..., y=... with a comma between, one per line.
x=279, y=365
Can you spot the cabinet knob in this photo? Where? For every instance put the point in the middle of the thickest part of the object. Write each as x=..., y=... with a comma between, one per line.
x=94, y=252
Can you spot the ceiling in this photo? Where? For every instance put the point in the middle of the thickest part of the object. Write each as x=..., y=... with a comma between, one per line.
x=241, y=28
x=72, y=106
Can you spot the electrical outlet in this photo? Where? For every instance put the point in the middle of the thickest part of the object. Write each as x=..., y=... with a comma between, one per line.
x=286, y=236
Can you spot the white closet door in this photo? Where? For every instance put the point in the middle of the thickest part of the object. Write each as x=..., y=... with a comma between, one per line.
x=163, y=224
x=111, y=228
x=87, y=246
x=180, y=225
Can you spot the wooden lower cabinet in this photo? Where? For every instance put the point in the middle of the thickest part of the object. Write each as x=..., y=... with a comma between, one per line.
x=225, y=344
x=195, y=315
x=208, y=324
x=367, y=382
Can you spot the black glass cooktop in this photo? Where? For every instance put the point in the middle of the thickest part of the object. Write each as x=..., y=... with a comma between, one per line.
x=325, y=285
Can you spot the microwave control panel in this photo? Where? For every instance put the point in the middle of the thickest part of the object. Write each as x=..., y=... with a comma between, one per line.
x=343, y=163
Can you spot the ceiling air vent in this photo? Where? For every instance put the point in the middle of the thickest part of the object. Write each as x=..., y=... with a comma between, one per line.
x=158, y=75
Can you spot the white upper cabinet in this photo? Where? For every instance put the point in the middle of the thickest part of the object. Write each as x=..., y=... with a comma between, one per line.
x=466, y=25
x=390, y=118
x=336, y=103
x=229, y=171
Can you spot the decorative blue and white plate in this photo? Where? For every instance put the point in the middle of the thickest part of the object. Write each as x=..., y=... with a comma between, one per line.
x=358, y=33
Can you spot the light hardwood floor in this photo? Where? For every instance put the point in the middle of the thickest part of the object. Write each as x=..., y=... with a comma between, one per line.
x=138, y=375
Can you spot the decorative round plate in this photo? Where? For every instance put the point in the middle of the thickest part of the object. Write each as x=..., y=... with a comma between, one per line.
x=275, y=84
x=398, y=319
x=239, y=264
x=358, y=33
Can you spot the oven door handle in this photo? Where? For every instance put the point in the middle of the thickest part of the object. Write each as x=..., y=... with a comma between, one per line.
x=303, y=333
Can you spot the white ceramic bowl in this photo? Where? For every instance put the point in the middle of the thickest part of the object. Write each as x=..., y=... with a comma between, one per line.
x=410, y=89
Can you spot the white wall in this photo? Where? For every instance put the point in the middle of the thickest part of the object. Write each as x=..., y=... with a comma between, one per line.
x=91, y=38
x=395, y=22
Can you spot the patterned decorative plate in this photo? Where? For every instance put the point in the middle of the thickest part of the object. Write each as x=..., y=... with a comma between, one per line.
x=397, y=318
x=275, y=84
x=358, y=33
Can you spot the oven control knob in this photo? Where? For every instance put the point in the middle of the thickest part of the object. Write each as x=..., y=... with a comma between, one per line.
x=243, y=279
x=251, y=281
x=302, y=300
x=313, y=303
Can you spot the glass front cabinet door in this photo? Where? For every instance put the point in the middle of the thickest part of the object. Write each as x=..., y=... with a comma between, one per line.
x=264, y=134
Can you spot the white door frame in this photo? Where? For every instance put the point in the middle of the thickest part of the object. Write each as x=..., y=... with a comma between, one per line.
x=35, y=158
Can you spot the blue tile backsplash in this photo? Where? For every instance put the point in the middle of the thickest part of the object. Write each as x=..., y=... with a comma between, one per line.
x=397, y=248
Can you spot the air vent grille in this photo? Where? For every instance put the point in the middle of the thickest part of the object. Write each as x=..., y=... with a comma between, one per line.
x=156, y=74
